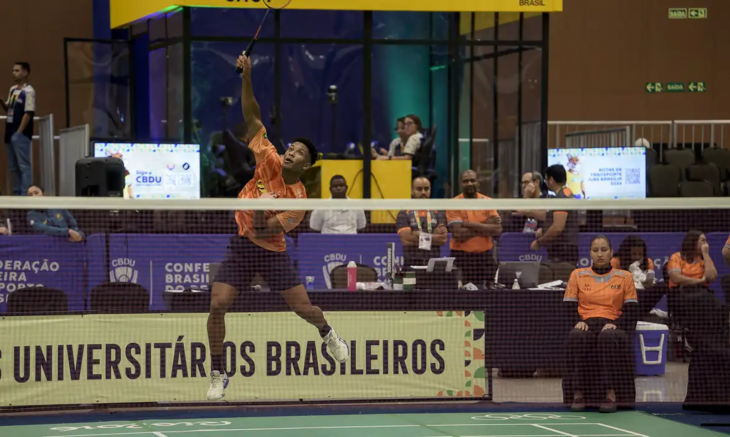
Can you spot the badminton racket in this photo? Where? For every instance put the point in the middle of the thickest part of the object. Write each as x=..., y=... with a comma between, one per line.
x=270, y=4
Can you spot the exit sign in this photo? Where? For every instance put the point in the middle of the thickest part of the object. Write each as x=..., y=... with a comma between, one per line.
x=677, y=13
x=697, y=87
x=698, y=13
x=675, y=87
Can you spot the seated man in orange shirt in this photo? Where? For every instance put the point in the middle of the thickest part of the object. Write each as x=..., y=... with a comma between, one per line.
x=471, y=235
x=601, y=294
x=692, y=265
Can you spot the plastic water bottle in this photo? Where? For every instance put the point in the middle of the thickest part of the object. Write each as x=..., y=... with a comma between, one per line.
x=351, y=276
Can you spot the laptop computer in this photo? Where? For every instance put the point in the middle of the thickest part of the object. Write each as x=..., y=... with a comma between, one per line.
x=526, y=273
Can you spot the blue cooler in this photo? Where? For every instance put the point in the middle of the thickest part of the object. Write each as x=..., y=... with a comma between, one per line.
x=650, y=348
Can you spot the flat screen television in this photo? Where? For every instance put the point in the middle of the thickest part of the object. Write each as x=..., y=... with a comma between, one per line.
x=603, y=173
x=156, y=171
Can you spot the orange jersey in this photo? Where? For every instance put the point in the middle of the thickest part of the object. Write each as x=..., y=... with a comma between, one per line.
x=268, y=179
x=615, y=263
x=694, y=270
x=600, y=295
x=479, y=243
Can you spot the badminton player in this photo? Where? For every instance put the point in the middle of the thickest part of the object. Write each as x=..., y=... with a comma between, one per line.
x=259, y=247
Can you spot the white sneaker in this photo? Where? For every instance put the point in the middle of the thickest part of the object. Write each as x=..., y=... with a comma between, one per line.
x=337, y=346
x=217, y=387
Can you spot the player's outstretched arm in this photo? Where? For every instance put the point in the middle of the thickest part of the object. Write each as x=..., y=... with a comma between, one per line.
x=251, y=109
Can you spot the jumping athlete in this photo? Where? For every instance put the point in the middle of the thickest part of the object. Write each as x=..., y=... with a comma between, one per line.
x=259, y=247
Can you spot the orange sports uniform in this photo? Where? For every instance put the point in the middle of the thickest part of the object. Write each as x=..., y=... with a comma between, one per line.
x=615, y=263
x=479, y=243
x=600, y=295
x=694, y=270
x=268, y=179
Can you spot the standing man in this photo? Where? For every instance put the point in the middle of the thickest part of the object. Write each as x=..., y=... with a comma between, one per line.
x=422, y=233
x=338, y=221
x=20, y=108
x=561, y=236
x=531, y=189
x=471, y=235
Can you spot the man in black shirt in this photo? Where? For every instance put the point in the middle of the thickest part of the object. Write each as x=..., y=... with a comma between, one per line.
x=561, y=235
x=422, y=233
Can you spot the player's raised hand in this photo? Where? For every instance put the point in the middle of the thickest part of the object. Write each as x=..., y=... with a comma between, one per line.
x=244, y=63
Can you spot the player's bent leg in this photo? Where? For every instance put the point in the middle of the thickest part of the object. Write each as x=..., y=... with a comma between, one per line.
x=298, y=300
x=221, y=298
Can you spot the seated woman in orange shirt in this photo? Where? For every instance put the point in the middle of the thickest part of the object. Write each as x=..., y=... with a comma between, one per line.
x=692, y=265
x=602, y=294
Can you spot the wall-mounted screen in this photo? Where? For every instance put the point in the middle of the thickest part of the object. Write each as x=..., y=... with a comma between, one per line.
x=603, y=173
x=156, y=171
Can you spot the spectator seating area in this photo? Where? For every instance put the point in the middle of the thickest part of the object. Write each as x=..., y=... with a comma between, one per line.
x=689, y=173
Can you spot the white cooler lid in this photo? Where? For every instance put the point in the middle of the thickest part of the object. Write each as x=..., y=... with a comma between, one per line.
x=645, y=326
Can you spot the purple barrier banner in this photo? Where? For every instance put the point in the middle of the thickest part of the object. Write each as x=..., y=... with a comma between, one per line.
x=27, y=261
x=166, y=263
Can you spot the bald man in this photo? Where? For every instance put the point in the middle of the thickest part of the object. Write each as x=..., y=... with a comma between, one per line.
x=471, y=235
x=422, y=233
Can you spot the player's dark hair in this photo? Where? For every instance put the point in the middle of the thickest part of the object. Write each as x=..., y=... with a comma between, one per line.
x=601, y=237
x=310, y=146
x=624, y=252
x=337, y=177
x=400, y=120
x=557, y=172
x=416, y=119
x=689, y=245
x=25, y=66
x=39, y=186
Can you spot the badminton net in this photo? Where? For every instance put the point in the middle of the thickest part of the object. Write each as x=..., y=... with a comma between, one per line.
x=442, y=299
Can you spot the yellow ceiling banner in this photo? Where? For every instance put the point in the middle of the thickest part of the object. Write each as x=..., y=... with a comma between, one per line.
x=124, y=12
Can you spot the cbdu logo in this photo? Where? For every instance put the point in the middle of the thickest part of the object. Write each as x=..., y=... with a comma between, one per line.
x=149, y=179
x=123, y=270
x=331, y=261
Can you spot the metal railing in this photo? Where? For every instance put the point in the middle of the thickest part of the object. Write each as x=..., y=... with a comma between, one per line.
x=666, y=134
x=702, y=130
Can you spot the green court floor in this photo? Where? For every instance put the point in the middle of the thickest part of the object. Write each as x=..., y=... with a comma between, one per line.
x=383, y=425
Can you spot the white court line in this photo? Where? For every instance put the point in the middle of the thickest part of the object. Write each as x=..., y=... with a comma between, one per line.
x=622, y=430
x=553, y=430
x=158, y=434
x=510, y=424
x=242, y=429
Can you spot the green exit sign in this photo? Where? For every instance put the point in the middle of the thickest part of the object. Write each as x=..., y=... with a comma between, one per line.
x=697, y=87
x=698, y=13
x=677, y=13
x=675, y=87
x=654, y=87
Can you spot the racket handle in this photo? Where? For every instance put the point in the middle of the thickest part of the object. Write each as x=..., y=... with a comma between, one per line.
x=248, y=51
